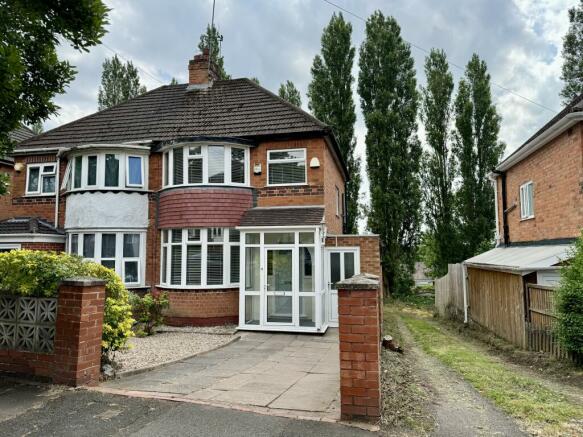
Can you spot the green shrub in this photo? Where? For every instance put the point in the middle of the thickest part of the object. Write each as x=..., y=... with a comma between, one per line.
x=148, y=310
x=38, y=273
x=570, y=302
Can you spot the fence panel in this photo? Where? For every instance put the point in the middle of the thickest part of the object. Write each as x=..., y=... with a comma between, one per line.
x=449, y=292
x=541, y=320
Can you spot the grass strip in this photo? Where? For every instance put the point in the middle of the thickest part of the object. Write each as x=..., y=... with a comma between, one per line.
x=517, y=395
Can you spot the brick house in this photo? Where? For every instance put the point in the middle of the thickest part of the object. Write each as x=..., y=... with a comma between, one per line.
x=539, y=213
x=216, y=191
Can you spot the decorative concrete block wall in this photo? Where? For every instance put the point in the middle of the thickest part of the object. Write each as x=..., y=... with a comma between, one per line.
x=55, y=338
x=359, y=305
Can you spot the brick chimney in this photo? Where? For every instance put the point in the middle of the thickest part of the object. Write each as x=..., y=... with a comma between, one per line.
x=199, y=72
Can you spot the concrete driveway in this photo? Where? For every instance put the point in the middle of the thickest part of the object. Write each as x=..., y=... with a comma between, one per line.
x=274, y=373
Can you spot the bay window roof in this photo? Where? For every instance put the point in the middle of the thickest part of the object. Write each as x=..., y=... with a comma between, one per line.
x=283, y=216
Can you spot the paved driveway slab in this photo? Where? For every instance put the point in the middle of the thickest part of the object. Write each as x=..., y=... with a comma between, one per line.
x=278, y=372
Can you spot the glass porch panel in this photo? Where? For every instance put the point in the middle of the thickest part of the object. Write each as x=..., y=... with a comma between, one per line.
x=306, y=269
x=307, y=311
x=279, y=238
x=335, y=271
x=279, y=270
x=348, y=265
x=279, y=309
x=252, y=268
x=252, y=311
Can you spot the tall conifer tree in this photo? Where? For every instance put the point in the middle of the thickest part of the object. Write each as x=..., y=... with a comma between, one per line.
x=330, y=100
x=477, y=150
x=438, y=163
x=572, y=73
x=288, y=92
x=389, y=101
x=211, y=40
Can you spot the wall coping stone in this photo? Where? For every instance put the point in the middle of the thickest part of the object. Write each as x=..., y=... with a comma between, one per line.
x=82, y=281
x=362, y=281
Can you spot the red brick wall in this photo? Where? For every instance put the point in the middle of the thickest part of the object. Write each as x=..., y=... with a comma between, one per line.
x=76, y=359
x=359, y=343
x=202, y=307
x=190, y=207
x=557, y=173
x=54, y=247
x=310, y=194
x=332, y=179
x=18, y=205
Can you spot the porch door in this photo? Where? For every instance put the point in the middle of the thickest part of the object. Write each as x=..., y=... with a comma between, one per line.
x=280, y=301
x=341, y=264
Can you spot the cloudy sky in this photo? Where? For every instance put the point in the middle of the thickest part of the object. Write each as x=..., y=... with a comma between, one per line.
x=277, y=40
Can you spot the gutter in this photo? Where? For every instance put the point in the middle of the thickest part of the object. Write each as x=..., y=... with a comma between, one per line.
x=552, y=132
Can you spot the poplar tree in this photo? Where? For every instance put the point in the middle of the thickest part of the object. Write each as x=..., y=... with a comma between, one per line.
x=211, y=40
x=389, y=101
x=438, y=163
x=288, y=92
x=572, y=72
x=119, y=83
x=477, y=150
x=330, y=100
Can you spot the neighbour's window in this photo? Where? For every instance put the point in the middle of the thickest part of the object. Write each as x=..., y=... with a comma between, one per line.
x=527, y=201
x=121, y=252
x=286, y=167
x=40, y=179
x=200, y=257
x=205, y=164
x=106, y=170
x=111, y=170
x=134, y=173
x=338, y=203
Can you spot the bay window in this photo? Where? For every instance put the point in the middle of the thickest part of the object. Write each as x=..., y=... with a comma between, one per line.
x=194, y=164
x=200, y=257
x=123, y=252
x=106, y=170
x=286, y=167
x=40, y=179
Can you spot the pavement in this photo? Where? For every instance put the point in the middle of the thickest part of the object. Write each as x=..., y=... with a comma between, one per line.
x=291, y=375
x=44, y=410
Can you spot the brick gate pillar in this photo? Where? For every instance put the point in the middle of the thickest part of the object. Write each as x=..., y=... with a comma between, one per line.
x=359, y=317
x=78, y=331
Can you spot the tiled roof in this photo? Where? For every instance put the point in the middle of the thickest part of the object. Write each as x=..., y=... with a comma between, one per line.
x=21, y=134
x=229, y=108
x=298, y=216
x=27, y=225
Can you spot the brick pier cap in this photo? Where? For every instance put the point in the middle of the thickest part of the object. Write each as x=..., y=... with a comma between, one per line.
x=362, y=281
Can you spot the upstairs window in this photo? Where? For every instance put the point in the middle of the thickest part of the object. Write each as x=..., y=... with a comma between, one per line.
x=286, y=167
x=195, y=164
x=106, y=170
x=527, y=201
x=40, y=179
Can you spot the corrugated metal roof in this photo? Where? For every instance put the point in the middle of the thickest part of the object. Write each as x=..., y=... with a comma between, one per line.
x=522, y=258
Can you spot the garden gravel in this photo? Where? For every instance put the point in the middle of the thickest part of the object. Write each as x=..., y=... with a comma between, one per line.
x=167, y=346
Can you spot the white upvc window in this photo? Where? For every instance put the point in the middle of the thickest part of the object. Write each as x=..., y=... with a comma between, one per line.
x=527, y=201
x=41, y=179
x=286, y=167
x=106, y=170
x=200, y=258
x=123, y=252
x=206, y=164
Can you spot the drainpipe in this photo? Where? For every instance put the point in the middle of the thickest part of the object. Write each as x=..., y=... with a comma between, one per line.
x=465, y=290
x=505, y=230
x=57, y=187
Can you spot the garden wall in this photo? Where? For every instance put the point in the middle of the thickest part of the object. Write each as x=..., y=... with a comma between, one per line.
x=59, y=338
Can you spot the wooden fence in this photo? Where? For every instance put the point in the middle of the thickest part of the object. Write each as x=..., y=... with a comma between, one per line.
x=449, y=293
x=541, y=320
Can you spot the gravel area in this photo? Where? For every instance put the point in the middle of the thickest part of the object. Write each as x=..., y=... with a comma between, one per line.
x=219, y=330
x=167, y=346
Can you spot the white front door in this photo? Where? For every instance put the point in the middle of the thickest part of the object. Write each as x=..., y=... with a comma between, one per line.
x=341, y=263
x=280, y=298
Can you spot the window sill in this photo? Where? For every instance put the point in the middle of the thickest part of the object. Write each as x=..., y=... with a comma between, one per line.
x=303, y=184
x=39, y=195
x=171, y=187
x=527, y=219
